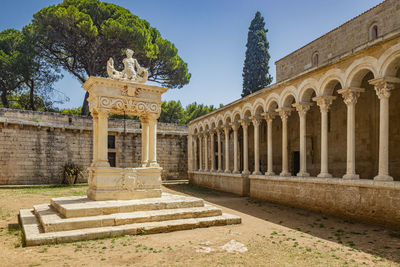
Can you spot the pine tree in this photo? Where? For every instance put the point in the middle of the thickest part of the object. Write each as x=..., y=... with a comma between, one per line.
x=256, y=70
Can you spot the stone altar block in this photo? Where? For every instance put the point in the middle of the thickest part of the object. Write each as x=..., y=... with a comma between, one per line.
x=112, y=96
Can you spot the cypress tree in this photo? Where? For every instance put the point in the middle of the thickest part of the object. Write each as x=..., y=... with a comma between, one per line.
x=256, y=70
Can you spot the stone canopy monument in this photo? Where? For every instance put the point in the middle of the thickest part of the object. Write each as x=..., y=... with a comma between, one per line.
x=124, y=93
x=120, y=201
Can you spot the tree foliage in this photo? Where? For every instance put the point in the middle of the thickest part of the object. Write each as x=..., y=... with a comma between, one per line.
x=80, y=36
x=173, y=112
x=256, y=70
x=24, y=75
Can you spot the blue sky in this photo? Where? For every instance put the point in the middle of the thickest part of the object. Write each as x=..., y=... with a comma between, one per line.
x=211, y=36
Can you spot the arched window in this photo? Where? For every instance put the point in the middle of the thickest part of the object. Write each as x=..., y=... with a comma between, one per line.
x=373, y=32
x=315, y=59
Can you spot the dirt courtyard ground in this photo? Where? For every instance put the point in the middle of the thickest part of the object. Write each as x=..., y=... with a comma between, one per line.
x=274, y=235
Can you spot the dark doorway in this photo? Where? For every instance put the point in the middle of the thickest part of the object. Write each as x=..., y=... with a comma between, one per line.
x=296, y=162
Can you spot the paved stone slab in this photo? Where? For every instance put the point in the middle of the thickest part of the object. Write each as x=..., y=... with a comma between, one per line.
x=82, y=206
x=52, y=221
x=34, y=235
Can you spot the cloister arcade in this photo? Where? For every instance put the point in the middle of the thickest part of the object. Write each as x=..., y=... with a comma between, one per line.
x=339, y=121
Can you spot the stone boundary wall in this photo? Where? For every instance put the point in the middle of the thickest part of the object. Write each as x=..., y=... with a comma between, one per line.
x=369, y=201
x=232, y=183
x=34, y=146
x=363, y=200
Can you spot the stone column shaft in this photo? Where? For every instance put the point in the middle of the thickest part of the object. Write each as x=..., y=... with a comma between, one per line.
x=245, y=124
x=324, y=103
x=212, y=141
x=205, y=152
x=226, y=131
x=153, y=143
x=256, y=123
x=383, y=86
x=95, y=140
x=145, y=142
x=195, y=165
x=350, y=96
x=302, y=109
x=102, y=140
x=284, y=113
x=269, y=118
x=219, y=150
x=235, y=127
x=200, y=153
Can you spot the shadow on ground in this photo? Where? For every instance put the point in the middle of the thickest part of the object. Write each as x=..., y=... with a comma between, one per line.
x=375, y=240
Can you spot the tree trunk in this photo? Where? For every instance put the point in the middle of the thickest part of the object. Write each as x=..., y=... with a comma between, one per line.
x=85, y=105
x=4, y=99
x=31, y=100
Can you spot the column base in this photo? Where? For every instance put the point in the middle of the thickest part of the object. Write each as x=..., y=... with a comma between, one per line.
x=303, y=174
x=246, y=172
x=101, y=163
x=220, y=171
x=236, y=172
x=383, y=177
x=227, y=171
x=285, y=174
x=351, y=176
x=154, y=165
x=270, y=174
x=324, y=175
x=257, y=173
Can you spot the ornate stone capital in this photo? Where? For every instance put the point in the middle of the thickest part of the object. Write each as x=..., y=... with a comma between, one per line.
x=245, y=123
x=256, y=120
x=226, y=128
x=235, y=126
x=302, y=108
x=384, y=85
x=284, y=113
x=269, y=116
x=324, y=102
x=351, y=95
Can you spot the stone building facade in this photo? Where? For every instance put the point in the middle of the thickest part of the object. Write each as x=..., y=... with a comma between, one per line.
x=34, y=146
x=326, y=136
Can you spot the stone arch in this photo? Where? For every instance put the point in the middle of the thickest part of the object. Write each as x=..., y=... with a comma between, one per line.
x=287, y=97
x=329, y=81
x=358, y=69
x=389, y=62
x=257, y=105
x=227, y=117
x=236, y=114
x=307, y=88
x=272, y=103
x=212, y=122
x=247, y=108
x=206, y=125
x=219, y=120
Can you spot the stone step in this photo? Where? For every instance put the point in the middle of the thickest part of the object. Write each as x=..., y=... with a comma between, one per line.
x=35, y=236
x=81, y=206
x=52, y=221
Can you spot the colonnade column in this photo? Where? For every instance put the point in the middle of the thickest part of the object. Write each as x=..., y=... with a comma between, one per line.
x=302, y=109
x=102, y=140
x=350, y=96
x=245, y=124
x=383, y=86
x=269, y=116
x=95, y=140
x=219, y=150
x=152, y=141
x=205, y=151
x=226, y=131
x=235, y=127
x=284, y=113
x=256, y=123
x=212, y=151
x=200, y=153
x=145, y=141
x=195, y=165
x=324, y=103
